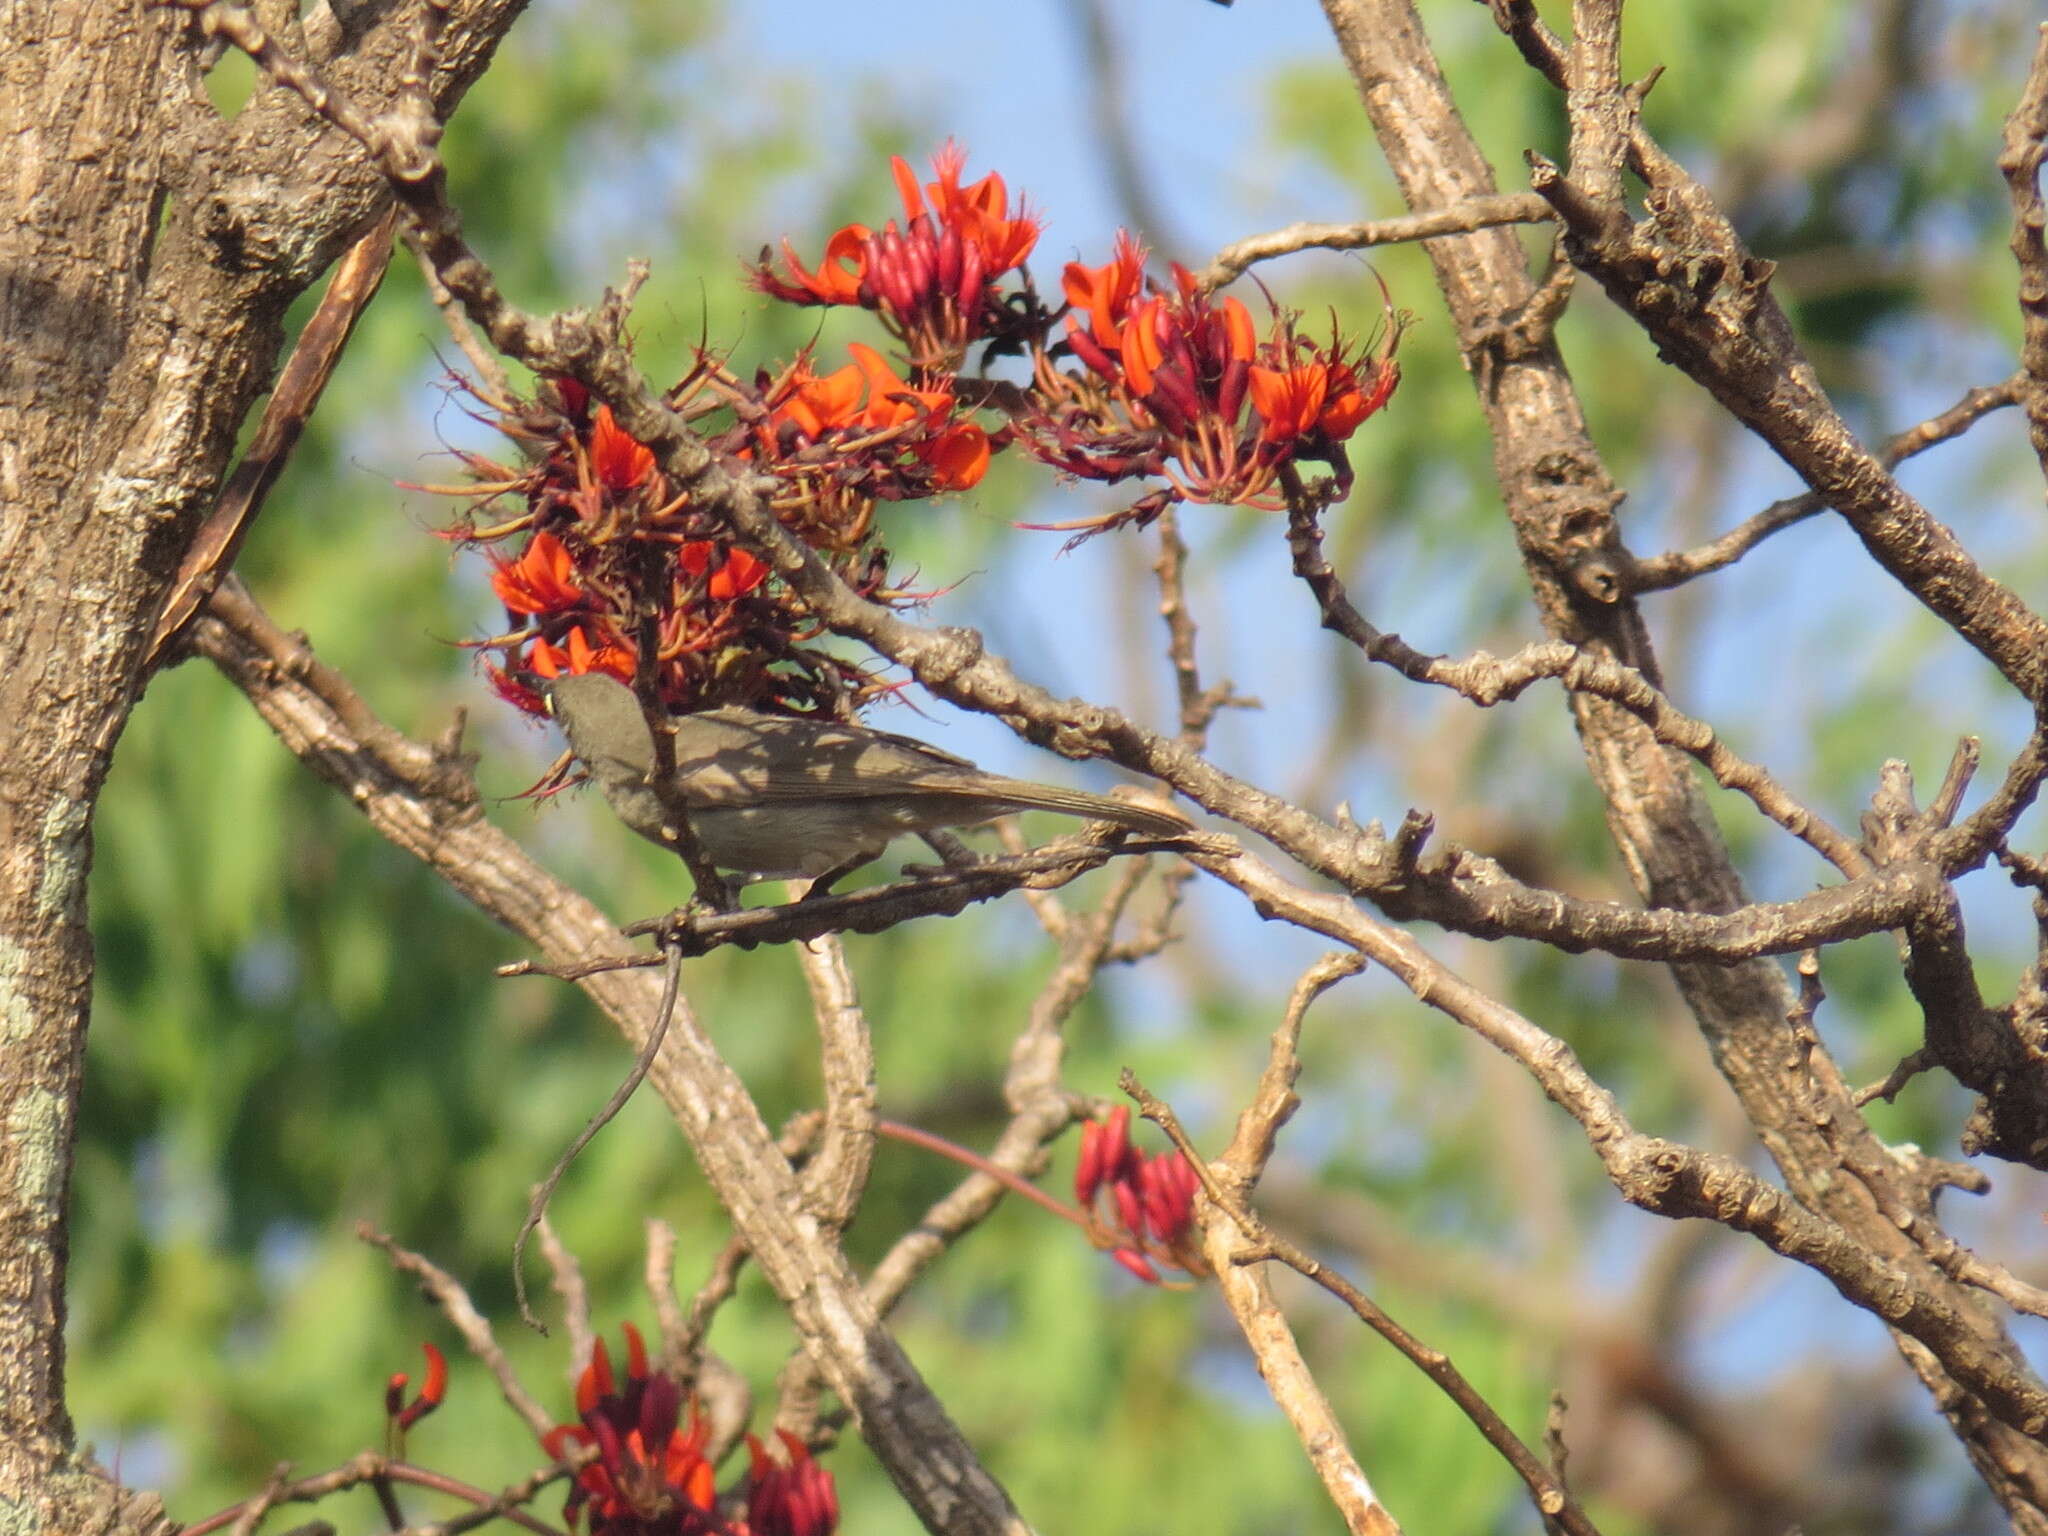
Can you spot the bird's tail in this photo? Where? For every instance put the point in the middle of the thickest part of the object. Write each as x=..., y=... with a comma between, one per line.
x=1151, y=820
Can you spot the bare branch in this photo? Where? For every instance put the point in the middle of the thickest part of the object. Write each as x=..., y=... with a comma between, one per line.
x=1246, y=1240
x=425, y=804
x=1487, y=681
x=836, y=1176
x=370, y=1469
x=1229, y=1249
x=1235, y=259
x=1273, y=1101
x=1670, y=1179
x=1669, y=570
x=566, y=1275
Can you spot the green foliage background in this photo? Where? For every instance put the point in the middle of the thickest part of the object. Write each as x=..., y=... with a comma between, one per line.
x=297, y=1028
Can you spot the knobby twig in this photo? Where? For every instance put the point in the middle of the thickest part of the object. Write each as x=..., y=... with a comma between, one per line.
x=835, y=1177
x=1273, y=1345
x=1040, y=1109
x=565, y=1275
x=1668, y=1178
x=1198, y=705
x=1487, y=680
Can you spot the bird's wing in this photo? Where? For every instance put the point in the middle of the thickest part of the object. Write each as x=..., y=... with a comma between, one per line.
x=740, y=756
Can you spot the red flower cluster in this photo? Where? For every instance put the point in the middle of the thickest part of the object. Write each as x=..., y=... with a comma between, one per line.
x=606, y=566
x=1180, y=387
x=613, y=552
x=1152, y=1200
x=650, y=1476
x=1175, y=385
x=843, y=441
x=933, y=281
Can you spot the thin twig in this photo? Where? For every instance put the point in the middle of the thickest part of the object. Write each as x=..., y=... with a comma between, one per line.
x=1488, y=680
x=1198, y=705
x=1659, y=572
x=508, y=1499
x=1273, y=1101
x=1477, y=213
x=836, y=1176
x=1910, y=1066
x=659, y=1278
x=369, y=1468
x=496, y=390
x=1667, y=1177
x=935, y=892
x=1273, y=1345
x=254, y=1511
x=566, y=1276
x=1254, y=1242
x=537, y=1206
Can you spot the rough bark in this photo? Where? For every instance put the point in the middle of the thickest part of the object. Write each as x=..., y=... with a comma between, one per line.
x=148, y=257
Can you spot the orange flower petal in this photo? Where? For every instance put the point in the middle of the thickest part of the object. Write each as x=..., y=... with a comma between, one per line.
x=906, y=186
x=1289, y=402
x=821, y=405
x=1237, y=322
x=541, y=580
x=620, y=460
x=886, y=405
x=1140, y=345
x=740, y=574
x=959, y=458
x=596, y=1380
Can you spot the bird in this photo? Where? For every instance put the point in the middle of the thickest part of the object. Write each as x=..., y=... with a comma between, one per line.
x=777, y=797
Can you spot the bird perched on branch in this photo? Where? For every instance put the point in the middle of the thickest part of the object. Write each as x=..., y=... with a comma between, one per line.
x=780, y=798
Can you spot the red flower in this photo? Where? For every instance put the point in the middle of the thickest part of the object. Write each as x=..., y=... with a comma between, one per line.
x=579, y=656
x=865, y=399
x=933, y=281
x=541, y=580
x=837, y=280
x=1318, y=396
x=620, y=460
x=739, y=574
x=650, y=1477
x=1289, y=401
x=790, y=1498
x=980, y=212
x=1350, y=401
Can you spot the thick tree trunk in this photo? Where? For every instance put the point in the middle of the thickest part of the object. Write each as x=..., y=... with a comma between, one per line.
x=148, y=251
x=86, y=549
